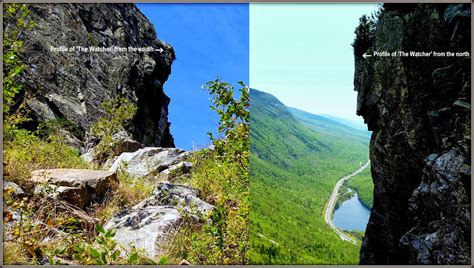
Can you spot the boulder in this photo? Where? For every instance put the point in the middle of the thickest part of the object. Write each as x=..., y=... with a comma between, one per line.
x=122, y=143
x=109, y=162
x=180, y=168
x=69, y=139
x=177, y=172
x=145, y=228
x=78, y=196
x=148, y=224
x=76, y=186
x=13, y=189
x=149, y=160
x=88, y=156
x=184, y=197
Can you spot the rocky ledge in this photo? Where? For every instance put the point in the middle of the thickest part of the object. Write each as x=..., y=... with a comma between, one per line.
x=147, y=225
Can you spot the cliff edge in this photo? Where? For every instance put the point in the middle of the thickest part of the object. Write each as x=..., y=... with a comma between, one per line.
x=419, y=111
x=72, y=85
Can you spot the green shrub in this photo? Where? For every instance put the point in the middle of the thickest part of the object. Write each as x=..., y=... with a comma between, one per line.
x=105, y=250
x=51, y=129
x=365, y=31
x=17, y=16
x=13, y=254
x=364, y=35
x=17, y=23
x=118, y=114
x=222, y=176
x=233, y=128
x=223, y=239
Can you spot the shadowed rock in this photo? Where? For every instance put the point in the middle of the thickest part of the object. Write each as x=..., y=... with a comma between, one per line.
x=13, y=189
x=72, y=85
x=419, y=111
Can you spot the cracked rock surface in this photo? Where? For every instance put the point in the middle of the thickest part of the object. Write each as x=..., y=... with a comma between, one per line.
x=72, y=85
x=419, y=111
x=148, y=224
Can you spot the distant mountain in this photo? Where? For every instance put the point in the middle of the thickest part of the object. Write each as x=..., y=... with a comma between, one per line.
x=351, y=123
x=293, y=169
x=276, y=130
x=330, y=125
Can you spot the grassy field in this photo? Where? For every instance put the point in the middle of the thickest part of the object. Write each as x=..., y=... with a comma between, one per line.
x=364, y=187
x=293, y=169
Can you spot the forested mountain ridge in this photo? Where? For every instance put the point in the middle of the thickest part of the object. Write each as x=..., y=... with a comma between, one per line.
x=330, y=126
x=294, y=169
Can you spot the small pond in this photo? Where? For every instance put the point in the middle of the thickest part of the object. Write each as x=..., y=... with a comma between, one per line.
x=351, y=215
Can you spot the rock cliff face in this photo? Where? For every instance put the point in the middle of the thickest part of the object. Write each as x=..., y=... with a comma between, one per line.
x=72, y=85
x=419, y=111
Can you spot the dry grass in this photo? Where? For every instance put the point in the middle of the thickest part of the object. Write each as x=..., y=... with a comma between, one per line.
x=13, y=254
x=127, y=193
x=26, y=152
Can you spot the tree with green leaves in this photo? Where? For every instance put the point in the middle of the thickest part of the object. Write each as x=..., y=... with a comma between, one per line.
x=17, y=23
x=364, y=34
x=13, y=41
x=222, y=176
x=233, y=145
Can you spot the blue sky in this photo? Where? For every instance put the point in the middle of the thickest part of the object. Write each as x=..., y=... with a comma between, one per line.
x=302, y=54
x=210, y=41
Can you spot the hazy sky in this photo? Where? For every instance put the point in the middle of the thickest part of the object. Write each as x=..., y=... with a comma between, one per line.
x=210, y=41
x=302, y=54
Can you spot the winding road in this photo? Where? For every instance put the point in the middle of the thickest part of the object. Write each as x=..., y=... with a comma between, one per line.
x=332, y=203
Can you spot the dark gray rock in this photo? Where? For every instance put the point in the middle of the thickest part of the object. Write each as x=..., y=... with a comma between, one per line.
x=443, y=185
x=419, y=112
x=180, y=196
x=124, y=143
x=74, y=84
